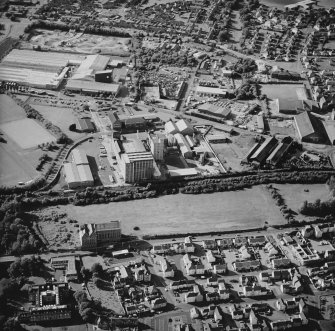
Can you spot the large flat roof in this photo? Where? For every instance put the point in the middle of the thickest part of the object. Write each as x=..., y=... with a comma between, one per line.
x=133, y=146
x=211, y=90
x=92, y=86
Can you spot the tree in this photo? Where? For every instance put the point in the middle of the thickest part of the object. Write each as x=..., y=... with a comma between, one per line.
x=72, y=127
x=96, y=269
x=80, y=296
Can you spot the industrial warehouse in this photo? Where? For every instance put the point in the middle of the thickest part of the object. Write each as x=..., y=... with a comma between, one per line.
x=78, y=173
x=47, y=70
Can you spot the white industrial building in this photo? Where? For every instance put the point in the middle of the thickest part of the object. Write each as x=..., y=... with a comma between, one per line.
x=136, y=163
x=157, y=145
x=171, y=128
x=184, y=146
x=184, y=127
x=78, y=172
x=205, y=91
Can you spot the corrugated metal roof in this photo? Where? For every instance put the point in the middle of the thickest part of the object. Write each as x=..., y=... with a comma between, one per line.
x=71, y=173
x=79, y=156
x=85, y=173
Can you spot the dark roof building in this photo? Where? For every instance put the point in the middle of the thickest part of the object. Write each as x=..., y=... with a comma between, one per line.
x=115, y=121
x=135, y=123
x=85, y=125
x=277, y=154
x=264, y=150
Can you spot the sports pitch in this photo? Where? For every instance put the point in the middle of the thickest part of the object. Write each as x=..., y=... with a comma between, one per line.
x=26, y=133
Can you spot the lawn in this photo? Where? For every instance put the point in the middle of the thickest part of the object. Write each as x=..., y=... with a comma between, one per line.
x=26, y=133
x=9, y=110
x=62, y=117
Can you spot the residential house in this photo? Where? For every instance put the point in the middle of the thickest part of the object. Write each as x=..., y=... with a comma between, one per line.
x=245, y=266
x=209, y=244
x=195, y=295
x=195, y=313
x=254, y=291
x=281, y=263
x=166, y=268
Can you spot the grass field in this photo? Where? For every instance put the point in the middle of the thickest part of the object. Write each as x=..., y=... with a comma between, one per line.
x=184, y=213
x=9, y=110
x=62, y=117
x=26, y=133
x=296, y=194
x=16, y=163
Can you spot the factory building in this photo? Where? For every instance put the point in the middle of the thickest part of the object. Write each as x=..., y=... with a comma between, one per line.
x=136, y=163
x=214, y=110
x=204, y=91
x=306, y=128
x=184, y=127
x=78, y=172
x=157, y=145
x=170, y=128
x=104, y=76
x=93, y=236
x=184, y=146
x=262, y=152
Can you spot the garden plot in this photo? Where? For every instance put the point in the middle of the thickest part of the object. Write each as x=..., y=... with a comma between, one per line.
x=27, y=133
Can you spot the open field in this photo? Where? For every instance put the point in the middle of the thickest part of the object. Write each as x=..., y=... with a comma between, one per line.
x=27, y=133
x=184, y=213
x=283, y=91
x=296, y=194
x=81, y=43
x=62, y=117
x=16, y=164
x=9, y=110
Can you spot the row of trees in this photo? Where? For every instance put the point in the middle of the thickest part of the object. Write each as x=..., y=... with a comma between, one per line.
x=318, y=208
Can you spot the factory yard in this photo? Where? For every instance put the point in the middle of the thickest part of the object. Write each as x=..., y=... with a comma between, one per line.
x=185, y=213
x=80, y=43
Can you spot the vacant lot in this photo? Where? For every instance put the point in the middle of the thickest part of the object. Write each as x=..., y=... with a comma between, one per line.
x=185, y=213
x=283, y=91
x=231, y=154
x=27, y=133
x=9, y=110
x=62, y=117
